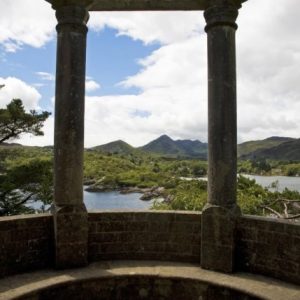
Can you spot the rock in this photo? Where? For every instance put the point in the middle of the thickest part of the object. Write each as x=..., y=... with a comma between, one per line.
x=155, y=192
x=128, y=190
x=89, y=181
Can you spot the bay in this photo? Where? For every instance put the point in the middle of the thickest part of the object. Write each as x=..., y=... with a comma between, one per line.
x=292, y=183
x=115, y=200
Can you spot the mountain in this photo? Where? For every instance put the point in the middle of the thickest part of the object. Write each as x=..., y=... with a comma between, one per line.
x=116, y=147
x=275, y=148
x=162, y=145
x=193, y=148
x=245, y=149
x=289, y=150
x=185, y=148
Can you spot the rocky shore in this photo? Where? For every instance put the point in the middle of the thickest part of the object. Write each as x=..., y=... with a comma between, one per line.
x=147, y=193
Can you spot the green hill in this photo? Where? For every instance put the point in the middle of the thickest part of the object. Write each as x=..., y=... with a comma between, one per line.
x=164, y=145
x=193, y=148
x=245, y=149
x=275, y=148
x=289, y=150
x=116, y=147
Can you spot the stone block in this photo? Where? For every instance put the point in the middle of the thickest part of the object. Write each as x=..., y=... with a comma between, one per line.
x=218, y=239
x=71, y=236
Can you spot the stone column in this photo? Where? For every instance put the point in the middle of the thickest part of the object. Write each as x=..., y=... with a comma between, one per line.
x=70, y=215
x=218, y=218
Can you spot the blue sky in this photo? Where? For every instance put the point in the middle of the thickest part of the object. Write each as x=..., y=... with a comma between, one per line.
x=110, y=59
x=147, y=72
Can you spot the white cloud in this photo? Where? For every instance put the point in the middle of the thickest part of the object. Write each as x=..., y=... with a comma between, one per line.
x=46, y=76
x=17, y=89
x=268, y=56
x=173, y=80
x=25, y=22
x=150, y=27
x=91, y=85
x=268, y=69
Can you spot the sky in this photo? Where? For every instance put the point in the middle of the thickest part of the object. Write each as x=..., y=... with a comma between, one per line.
x=147, y=71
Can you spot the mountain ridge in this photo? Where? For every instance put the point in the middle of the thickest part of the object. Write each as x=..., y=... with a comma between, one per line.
x=274, y=147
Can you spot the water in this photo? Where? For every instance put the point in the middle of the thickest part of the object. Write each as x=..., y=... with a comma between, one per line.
x=106, y=201
x=292, y=183
x=114, y=201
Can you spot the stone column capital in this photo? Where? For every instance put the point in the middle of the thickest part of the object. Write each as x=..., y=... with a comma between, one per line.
x=72, y=15
x=56, y=4
x=221, y=15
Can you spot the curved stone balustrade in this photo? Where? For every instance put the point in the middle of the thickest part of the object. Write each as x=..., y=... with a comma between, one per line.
x=263, y=245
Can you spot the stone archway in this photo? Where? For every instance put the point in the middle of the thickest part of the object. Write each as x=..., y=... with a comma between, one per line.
x=70, y=216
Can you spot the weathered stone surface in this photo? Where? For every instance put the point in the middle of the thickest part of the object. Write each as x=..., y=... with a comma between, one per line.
x=70, y=216
x=265, y=246
x=222, y=127
x=218, y=219
x=71, y=236
x=143, y=280
x=127, y=5
x=270, y=247
x=26, y=243
x=218, y=239
x=145, y=235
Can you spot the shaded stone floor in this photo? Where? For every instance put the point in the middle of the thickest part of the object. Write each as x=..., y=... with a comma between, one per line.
x=27, y=286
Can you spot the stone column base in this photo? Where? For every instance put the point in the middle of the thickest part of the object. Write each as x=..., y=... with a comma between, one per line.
x=218, y=238
x=71, y=236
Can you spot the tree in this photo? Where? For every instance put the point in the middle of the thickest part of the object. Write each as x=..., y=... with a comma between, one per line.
x=29, y=179
x=14, y=121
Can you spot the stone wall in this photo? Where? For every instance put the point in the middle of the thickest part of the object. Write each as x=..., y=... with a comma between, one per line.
x=26, y=243
x=264, y=246
x=145, y=235
x=270, y=247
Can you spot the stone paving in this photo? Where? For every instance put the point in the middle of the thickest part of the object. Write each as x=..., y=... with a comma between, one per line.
x=18, y=286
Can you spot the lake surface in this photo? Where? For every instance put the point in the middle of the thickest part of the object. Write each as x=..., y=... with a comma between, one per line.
x=114, y=201
x=107, y=201
x=292, y=183
x=117, y=201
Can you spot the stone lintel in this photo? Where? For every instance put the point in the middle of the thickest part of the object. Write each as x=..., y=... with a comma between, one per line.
x=218, y=238
x=144, y=5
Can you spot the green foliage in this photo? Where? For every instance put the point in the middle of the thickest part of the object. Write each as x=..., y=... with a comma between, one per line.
x=22, y=178
x=14, y=121
x=187, y=195
x=23, y=175
x=29, y=180
x=269, y=167
x=251, y=197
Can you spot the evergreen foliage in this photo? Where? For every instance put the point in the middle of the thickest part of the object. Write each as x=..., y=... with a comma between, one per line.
x=14, y=121
x=22, y=178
